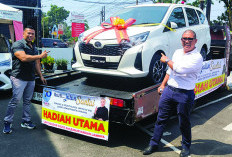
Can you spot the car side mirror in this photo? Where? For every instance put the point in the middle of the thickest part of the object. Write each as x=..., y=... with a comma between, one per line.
x=173, y=25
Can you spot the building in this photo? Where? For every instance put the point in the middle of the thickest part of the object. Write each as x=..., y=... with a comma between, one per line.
x=31, y=16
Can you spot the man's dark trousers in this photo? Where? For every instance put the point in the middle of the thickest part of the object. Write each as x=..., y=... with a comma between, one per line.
x=174, y=99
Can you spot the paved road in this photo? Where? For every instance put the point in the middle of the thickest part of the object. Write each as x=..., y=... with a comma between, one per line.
x=210, y=136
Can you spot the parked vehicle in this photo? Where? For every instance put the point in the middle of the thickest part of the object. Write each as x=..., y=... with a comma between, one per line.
x=53, y=43
x=158, y=29
x=5, y=64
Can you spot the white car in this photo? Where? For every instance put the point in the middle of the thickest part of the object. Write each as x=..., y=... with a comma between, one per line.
x=5, y=64
x=158, y=29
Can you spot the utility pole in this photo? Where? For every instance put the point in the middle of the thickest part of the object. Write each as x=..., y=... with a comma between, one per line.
x=102, y=13
x=208, y=9
x=100, y=16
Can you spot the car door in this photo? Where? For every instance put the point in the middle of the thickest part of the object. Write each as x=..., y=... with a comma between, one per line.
x=174, y=37
x=194, y=24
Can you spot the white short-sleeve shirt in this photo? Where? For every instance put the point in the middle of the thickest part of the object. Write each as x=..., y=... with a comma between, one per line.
x=186, y=67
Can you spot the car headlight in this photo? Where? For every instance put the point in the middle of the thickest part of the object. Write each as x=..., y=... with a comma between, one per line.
x=81, y=38
x=139, y=38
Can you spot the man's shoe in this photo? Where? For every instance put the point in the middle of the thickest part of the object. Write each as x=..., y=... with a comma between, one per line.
x=28, y=125
x=7, y=128
x=150, y=149
x=185, y=153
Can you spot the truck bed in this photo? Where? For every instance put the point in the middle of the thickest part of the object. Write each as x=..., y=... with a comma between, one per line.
x=104, y=86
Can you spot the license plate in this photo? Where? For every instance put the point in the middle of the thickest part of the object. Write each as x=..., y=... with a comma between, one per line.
x=100, y=60
x=37, y=96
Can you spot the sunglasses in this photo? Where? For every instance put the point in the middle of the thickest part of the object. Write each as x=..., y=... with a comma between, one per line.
x=189, y=39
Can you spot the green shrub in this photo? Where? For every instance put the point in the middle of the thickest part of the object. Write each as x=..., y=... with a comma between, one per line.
x=61, y=62
x=48, y=60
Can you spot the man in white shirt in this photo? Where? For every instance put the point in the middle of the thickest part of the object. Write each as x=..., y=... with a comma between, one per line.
x=178, y=95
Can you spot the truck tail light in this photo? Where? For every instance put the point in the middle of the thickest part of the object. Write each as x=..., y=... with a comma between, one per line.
x=116, y=102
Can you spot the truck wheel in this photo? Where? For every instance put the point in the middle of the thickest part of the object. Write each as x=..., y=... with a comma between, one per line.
x=156, y=70
x=203, y=53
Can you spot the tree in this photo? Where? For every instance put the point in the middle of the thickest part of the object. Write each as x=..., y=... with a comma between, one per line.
x=197, y=3
x=46, y=25
x=166, y=1
x=227, y=16
x=56, y=15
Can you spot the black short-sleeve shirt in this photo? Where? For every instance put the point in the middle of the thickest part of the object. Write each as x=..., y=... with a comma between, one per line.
x=23, y=70
x=102, y=112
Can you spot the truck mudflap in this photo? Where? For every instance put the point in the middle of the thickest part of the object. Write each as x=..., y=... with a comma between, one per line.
x=146, y=102
x=228, y=50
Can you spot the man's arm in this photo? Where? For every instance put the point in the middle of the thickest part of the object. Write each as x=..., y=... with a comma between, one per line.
x=163, y=84
x=38, y=71
x=164, y=58
x=22, y=56
x=186, y=67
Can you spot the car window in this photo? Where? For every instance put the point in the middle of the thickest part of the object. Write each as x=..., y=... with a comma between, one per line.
x=3, y=45
x=177, y=16
x=201, y=16
x=58, y=41
x=192, y=16
x=142, y=15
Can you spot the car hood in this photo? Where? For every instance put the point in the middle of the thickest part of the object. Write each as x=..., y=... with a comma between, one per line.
x=110, y=34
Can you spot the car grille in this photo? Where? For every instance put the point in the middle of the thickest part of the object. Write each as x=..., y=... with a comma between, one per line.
x=107, y=50
x=107, y=65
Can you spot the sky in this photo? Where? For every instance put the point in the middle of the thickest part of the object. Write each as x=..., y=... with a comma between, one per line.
x=91, y=8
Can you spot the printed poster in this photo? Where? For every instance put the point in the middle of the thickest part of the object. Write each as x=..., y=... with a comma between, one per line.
x=212, y=76
x=80, y=114
x=77, y=29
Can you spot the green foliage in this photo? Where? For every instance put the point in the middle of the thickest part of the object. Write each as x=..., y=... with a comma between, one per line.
x=227, y=16
x=166, y=1
x=61, y=62
x=48, y=60
x=58, y=14
x=86, y=25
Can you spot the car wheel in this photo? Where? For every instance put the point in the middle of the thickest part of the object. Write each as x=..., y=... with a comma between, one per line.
x=203, y=53
x=156, y=70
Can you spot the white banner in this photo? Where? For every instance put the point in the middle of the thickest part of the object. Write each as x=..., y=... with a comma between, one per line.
x=77, y=18
x=212, y=76
x=77, y=113
x=11, y=15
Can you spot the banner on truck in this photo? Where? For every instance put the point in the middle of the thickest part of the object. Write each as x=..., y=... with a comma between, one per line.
x=80, y=114
x=212, y=76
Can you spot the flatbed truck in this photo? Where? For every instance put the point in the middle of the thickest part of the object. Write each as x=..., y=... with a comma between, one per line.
x=134, y=100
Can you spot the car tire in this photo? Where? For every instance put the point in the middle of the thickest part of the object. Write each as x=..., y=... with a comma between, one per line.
x=203, y=53
x=156, y=69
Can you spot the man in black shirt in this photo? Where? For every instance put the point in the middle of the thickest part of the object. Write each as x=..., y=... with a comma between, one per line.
x=25, y=62
x=101, y=113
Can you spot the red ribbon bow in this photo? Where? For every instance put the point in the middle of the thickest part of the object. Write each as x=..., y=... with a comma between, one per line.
x=116, y=24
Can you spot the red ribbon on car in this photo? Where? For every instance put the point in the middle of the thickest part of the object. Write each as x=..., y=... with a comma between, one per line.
x=119, y=25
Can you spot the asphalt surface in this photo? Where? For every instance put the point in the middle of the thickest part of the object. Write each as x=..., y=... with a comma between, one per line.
x=208, y=130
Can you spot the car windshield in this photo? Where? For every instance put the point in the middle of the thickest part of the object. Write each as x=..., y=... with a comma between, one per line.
x=142, y=15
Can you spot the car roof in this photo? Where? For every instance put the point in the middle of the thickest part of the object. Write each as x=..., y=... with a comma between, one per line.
x=50, y=39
